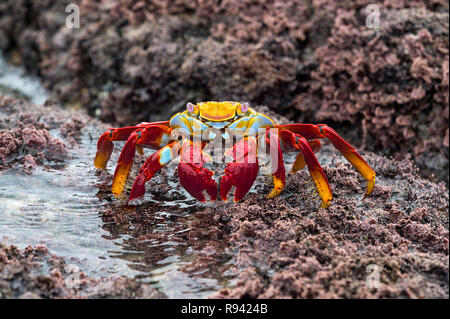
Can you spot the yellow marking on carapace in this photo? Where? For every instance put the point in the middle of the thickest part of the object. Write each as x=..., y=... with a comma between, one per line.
x=242, y=124
x=278, y=186
x=101, y=158
x=218, y=111
x=252, y=121
x=363, y=168
x=120, y=178
x=322, y=188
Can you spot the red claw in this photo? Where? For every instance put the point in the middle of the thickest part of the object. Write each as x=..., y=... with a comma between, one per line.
x=242, y=172
x=194, y=177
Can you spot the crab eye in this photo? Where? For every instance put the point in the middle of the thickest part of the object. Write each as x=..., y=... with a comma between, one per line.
x=190, y=107
x=244, y=107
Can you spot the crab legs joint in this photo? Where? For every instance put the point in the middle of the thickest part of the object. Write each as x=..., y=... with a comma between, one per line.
x=152, y=165
x=276, y=162
x=307, y=156
x=312, y=132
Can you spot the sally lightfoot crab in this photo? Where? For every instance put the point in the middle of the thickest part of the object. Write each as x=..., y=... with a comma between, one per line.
x=246, y=135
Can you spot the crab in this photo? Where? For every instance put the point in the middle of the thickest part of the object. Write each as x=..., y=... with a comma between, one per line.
x=187, y=135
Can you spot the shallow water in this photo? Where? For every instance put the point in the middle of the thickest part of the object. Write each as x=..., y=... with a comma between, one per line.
x=60, y=206
x=15, y=81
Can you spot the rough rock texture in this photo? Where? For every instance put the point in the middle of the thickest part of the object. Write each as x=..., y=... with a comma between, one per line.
x=277, y=248
x=28, y=134
x=386, y=89
x=34, y=273
x=312, y=61
x=288, y=247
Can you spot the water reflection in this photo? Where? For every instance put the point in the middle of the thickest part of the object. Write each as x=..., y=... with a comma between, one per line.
x=169, y=241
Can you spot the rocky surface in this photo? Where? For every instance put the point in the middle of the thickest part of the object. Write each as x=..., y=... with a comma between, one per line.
x=277, y=248
x=313, y=61
x=34, y=273
x=33, y=135
x=289, y=247
x=385, y=90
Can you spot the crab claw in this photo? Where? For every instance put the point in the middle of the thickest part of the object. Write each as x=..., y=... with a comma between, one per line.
x=242, y=172
x=194, y=177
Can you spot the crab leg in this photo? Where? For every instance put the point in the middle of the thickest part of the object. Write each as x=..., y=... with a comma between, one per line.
x=242, y=171
x=311, y=131
x=193, y=176
x=105, y=145
x=276, y=162
x=152, y=165
x=300, y=162
x=315, y=170
x=151, y=136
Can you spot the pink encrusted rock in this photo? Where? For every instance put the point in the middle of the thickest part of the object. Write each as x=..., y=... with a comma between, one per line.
x=312, y=61
x=25, y=134
x=34, y=273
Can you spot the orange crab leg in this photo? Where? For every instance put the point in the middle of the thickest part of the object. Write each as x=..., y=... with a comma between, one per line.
x=300, y=162
x=152, y=136
x=308, y=131
x=315, y=170
x=276, y=162
x=352, y=156
x=242, y=171
x=311, y=131
x=289, y=144
x=193, y=176
x=152, y=165
x=105, y=145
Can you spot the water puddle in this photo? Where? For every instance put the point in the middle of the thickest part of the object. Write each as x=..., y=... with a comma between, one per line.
x=63, y=207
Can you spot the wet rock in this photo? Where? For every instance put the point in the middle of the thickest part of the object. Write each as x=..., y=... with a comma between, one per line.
x=28, y=133
x=289, y=247
x=34, y=273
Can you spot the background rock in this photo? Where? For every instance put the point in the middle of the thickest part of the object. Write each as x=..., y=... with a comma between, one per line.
x=313, y=61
